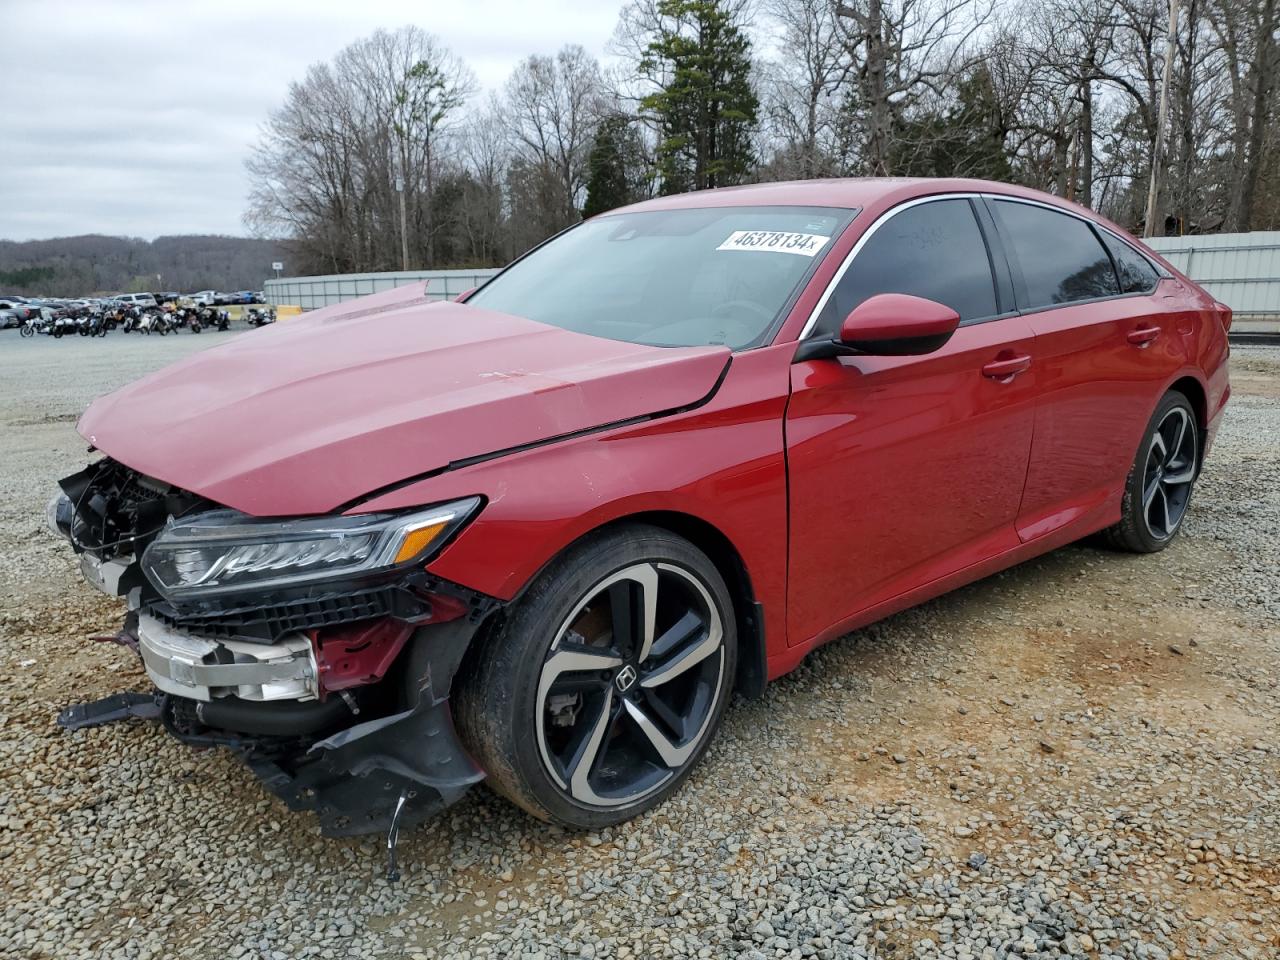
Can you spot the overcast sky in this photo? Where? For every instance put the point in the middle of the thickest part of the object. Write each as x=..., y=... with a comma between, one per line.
x=133, y=117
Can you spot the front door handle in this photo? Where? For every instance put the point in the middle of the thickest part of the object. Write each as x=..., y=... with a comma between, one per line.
x=1143, y=336
x=1006, y=370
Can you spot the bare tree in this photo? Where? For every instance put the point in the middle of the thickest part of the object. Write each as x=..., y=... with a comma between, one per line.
x=900, y=51
x=325, y=166
x=1251, y=51
x=801, y=88
x=552, y=106
x=1057, y=94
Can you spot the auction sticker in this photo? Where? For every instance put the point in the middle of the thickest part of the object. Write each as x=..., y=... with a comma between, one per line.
x=775, y=241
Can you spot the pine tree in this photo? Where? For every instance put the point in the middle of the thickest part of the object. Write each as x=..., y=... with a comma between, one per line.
x=965, y=140
x=608, y=181
x=706, y=109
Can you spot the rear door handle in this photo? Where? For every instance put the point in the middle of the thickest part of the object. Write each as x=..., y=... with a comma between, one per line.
x=1006, y=370
x=1143, y=336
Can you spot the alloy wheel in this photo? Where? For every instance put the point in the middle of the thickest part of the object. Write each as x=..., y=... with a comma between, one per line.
x=630, y=684
x=1169, y=472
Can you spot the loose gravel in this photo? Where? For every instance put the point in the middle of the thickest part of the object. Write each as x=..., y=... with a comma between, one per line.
x=1075, y=758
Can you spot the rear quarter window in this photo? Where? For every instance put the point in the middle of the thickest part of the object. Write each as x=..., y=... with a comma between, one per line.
x=1135, y=272
x=1060, y=257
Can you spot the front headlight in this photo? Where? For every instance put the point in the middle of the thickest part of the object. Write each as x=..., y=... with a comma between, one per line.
x=224, y=551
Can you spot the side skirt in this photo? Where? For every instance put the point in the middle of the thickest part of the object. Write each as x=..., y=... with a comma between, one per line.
x=1099, y=519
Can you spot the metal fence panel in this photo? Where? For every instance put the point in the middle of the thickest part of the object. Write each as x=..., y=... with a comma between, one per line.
x=311, y=293
x=1240, y=269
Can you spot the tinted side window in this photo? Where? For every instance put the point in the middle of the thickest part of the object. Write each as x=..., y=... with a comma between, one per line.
x=934, y=250
x=1137, y=275
x=1061, y=257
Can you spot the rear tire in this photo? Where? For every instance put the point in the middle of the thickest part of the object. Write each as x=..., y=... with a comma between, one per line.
x=1158, y=489
x=601, y=691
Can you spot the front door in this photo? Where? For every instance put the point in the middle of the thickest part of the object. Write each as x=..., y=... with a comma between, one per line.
x=905, y=469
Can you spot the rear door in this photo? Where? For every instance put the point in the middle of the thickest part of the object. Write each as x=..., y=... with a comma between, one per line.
x=1106, y=341
x=904, y=469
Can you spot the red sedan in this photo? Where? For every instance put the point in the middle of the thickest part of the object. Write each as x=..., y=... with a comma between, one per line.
x=395, y=547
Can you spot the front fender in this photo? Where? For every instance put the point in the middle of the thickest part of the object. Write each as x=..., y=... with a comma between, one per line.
x=722, y=463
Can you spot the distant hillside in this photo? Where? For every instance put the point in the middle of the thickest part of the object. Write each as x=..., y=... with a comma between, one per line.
x=79, y=266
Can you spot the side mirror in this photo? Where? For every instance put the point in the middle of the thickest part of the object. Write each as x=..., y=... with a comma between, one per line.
x=887, y=325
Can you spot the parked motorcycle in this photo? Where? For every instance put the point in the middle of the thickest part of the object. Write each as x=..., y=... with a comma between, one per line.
x=212, y=317
x=154, y=323
x=260, y=318
x=131, y=320
x=63, y=326
x=91, y=324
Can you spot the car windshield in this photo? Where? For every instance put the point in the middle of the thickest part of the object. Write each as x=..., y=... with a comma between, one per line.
x=721, y=275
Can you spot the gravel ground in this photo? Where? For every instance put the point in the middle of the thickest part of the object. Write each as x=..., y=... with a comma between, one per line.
x=1077, y=757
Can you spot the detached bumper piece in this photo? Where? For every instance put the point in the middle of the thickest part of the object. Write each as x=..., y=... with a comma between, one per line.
x=118, y=706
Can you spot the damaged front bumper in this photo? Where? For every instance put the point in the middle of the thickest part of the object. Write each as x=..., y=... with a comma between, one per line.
x=335, y=695
x=357, y=778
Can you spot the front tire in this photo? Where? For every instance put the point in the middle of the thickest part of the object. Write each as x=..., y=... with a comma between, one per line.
x=1158, y=490
x=605, y=685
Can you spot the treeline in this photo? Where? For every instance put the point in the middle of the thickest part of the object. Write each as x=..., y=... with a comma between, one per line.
x=77, y=266
x=1062, y=95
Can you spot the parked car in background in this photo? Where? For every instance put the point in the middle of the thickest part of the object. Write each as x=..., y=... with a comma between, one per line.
x=167, y=296
x=18, y=307
x=205, y=298
x=56, y=307
x=137, y=299
x=9, y=317
x=542, y=535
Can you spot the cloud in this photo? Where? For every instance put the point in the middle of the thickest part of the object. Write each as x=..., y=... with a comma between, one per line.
x=134, y=117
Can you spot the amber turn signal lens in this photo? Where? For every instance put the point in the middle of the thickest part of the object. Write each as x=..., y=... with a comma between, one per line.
x=416, y=541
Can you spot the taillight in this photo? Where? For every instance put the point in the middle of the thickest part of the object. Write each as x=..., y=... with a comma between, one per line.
x=1224, y=314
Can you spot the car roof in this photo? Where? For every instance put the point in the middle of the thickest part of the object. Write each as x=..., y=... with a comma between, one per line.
x=847, y=192
x=875, y=195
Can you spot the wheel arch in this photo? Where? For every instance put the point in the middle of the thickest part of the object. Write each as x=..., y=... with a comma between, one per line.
x=1194, y=391
x=1191, y=388
x=752, y=673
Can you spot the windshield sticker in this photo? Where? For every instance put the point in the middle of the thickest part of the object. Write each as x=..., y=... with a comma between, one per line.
x=775, y=241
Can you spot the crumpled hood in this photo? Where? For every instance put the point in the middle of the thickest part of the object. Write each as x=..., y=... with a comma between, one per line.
x=316, y=411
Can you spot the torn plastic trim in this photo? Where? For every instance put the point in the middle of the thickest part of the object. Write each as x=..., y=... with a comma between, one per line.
x=395, y=770
x=118, y=706
x=354, y=780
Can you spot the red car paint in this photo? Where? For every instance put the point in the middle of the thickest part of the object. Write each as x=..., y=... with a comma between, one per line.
x=848, y=487
x=359, y=654
x=309, y=414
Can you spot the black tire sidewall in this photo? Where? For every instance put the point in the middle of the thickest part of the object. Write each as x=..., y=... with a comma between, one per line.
x=1134, y=516
x=520, y=647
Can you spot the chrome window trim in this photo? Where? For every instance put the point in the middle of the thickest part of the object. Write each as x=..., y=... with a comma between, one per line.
x=1161, y=273
x=918, y=201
